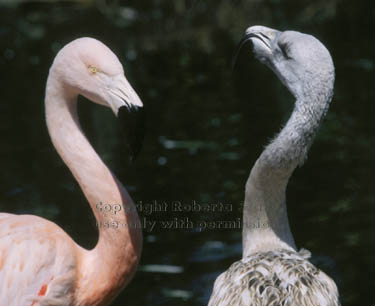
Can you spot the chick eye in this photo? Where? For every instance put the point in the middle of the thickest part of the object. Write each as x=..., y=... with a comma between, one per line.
x=93, y=69
x=285, y=49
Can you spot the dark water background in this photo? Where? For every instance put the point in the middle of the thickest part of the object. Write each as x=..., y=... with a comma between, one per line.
x=206, y=126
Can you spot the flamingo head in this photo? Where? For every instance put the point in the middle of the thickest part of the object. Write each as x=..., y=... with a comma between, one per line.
x=89, y=68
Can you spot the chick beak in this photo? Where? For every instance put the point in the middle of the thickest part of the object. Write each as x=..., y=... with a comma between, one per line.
x=247, y=38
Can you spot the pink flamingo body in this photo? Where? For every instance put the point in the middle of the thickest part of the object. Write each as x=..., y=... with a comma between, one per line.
x=39, y=263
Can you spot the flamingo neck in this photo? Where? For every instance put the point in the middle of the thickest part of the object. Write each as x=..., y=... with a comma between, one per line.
x=265, y=219
x=113, y=261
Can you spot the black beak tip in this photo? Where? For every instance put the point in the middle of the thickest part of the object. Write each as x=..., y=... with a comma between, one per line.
x=132, y=120
x=245, y=39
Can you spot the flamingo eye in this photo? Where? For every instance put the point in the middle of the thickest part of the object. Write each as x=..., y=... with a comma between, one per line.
x=93, y=69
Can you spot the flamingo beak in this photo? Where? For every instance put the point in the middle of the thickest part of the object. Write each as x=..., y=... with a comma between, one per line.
x=132, y=119
x=128, y=107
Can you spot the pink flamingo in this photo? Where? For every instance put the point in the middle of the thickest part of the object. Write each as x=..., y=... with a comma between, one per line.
x=39, y=263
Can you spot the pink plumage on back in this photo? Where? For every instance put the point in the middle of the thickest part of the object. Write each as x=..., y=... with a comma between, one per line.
x=33, y=251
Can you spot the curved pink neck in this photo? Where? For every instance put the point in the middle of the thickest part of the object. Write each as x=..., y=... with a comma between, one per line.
x=114, y=259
